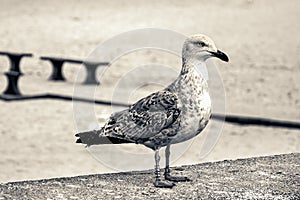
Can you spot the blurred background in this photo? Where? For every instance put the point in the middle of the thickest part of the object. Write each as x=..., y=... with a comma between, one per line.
x=261, y=79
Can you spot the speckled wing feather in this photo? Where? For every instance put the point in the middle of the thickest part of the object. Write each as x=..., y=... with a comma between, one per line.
x=145, y=119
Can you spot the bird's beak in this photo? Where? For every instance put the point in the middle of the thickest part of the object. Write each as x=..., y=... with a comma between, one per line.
x=221, y=55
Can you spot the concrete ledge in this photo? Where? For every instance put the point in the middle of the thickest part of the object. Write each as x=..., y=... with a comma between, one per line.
x=273, y=177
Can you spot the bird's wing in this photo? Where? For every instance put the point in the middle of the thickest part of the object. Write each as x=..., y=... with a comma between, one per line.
x=144, y=119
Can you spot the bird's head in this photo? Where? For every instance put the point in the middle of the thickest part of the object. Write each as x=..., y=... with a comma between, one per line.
x=201, y=47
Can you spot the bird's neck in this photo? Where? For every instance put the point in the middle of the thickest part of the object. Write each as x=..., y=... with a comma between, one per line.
x=194, y=67
x=193, y=74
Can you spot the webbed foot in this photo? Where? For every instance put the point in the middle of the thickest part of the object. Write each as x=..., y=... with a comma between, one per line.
x=177, y=178
x=163, y=184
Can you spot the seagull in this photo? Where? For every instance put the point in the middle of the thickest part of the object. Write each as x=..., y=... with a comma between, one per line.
x=172, y=115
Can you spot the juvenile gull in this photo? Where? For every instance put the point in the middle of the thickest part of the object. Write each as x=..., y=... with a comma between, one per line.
x=173, y=115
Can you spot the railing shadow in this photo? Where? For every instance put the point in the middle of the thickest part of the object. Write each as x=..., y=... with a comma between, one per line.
x=240, y=120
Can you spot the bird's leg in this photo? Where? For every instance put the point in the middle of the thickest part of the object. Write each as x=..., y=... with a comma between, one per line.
x=158, y=182
x=167, y=169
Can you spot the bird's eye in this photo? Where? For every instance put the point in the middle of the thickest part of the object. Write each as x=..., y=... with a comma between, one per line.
x=202, y=44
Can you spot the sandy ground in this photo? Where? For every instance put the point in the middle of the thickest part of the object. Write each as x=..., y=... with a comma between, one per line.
x=262, y=78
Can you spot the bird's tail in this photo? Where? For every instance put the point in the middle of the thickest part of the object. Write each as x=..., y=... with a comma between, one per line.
x=92, y=138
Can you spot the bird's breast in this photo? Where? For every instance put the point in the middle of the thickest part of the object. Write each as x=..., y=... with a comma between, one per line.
x=195, y=108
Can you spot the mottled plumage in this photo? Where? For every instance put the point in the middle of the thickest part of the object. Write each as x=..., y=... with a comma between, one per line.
x=145, y=121
x=173, y=115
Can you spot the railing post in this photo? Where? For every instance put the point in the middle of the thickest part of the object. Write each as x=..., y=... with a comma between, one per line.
x=57, y=74
x=91, y=73
x=14, y=74
x=12, y=85
x=15, y=59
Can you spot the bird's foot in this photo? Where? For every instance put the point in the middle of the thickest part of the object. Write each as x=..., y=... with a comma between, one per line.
x=163, y=184
x=177, y=178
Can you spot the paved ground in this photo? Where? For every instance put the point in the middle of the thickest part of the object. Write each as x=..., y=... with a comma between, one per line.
x=274, y=177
